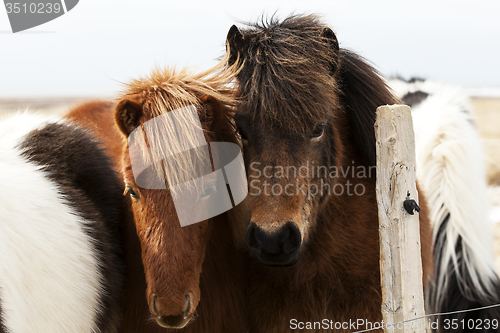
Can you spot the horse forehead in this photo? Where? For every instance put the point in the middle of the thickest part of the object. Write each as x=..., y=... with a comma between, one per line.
x=286, y=110
x=279, y=152
x=283, y=132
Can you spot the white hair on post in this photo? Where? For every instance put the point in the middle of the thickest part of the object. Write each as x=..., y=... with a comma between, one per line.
x=49, y=276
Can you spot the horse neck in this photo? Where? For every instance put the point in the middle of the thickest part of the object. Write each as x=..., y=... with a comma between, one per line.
x=222, y=281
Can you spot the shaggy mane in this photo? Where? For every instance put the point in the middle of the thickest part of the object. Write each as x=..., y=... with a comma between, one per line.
x=285, y=77
x=276, y=72
x=168, y=89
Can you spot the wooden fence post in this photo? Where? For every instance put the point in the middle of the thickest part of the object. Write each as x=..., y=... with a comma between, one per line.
x=400, y=260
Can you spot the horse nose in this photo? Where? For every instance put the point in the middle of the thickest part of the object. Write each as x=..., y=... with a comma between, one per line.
x=173, y=321
x=279, y=247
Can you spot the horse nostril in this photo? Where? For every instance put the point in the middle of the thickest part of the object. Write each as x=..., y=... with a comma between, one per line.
x=284, y=241
x=155, y=309
x=252, y=242
x=188, y=306
x=176, y=321
x=290, y=238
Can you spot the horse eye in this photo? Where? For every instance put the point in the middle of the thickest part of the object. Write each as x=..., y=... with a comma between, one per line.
x=241, y=133
x=130, y=190
x=208, y=190
x=318, y=131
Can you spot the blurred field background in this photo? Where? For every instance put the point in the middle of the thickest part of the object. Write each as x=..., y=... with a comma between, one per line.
x=487, y=117
x=46, y=105
x=487, y=113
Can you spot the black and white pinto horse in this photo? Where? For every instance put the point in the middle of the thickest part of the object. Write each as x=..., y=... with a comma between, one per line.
x=451, y=172
x=60, y=254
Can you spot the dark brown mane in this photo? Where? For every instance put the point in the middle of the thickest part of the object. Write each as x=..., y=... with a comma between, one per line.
x=363, y=90
x=281, y=69
x=280, y=60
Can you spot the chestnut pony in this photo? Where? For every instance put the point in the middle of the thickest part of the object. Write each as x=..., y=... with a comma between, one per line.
x=306, y=119
x=174, y=273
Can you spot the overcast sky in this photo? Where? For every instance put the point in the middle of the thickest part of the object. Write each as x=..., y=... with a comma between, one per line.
x=90, y=49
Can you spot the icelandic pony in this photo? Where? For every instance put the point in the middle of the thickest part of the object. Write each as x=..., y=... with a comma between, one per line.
x=306, y=118
x=60, y=256
x=174, y=273
x=451, y=170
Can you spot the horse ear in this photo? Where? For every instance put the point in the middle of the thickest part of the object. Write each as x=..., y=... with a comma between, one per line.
x=234, y=44
x=329, y=36
x=127, y=115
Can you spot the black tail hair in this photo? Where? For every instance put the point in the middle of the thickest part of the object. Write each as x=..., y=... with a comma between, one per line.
x=2, y=327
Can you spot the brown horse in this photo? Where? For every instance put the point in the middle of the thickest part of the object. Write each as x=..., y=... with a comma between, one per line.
x=164, y=278
x=306, y=118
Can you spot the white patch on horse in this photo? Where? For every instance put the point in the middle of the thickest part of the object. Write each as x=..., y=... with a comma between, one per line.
x=49, y=276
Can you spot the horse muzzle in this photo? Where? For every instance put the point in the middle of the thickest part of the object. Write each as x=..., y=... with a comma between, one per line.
x=175, y=321
x=277, y=248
